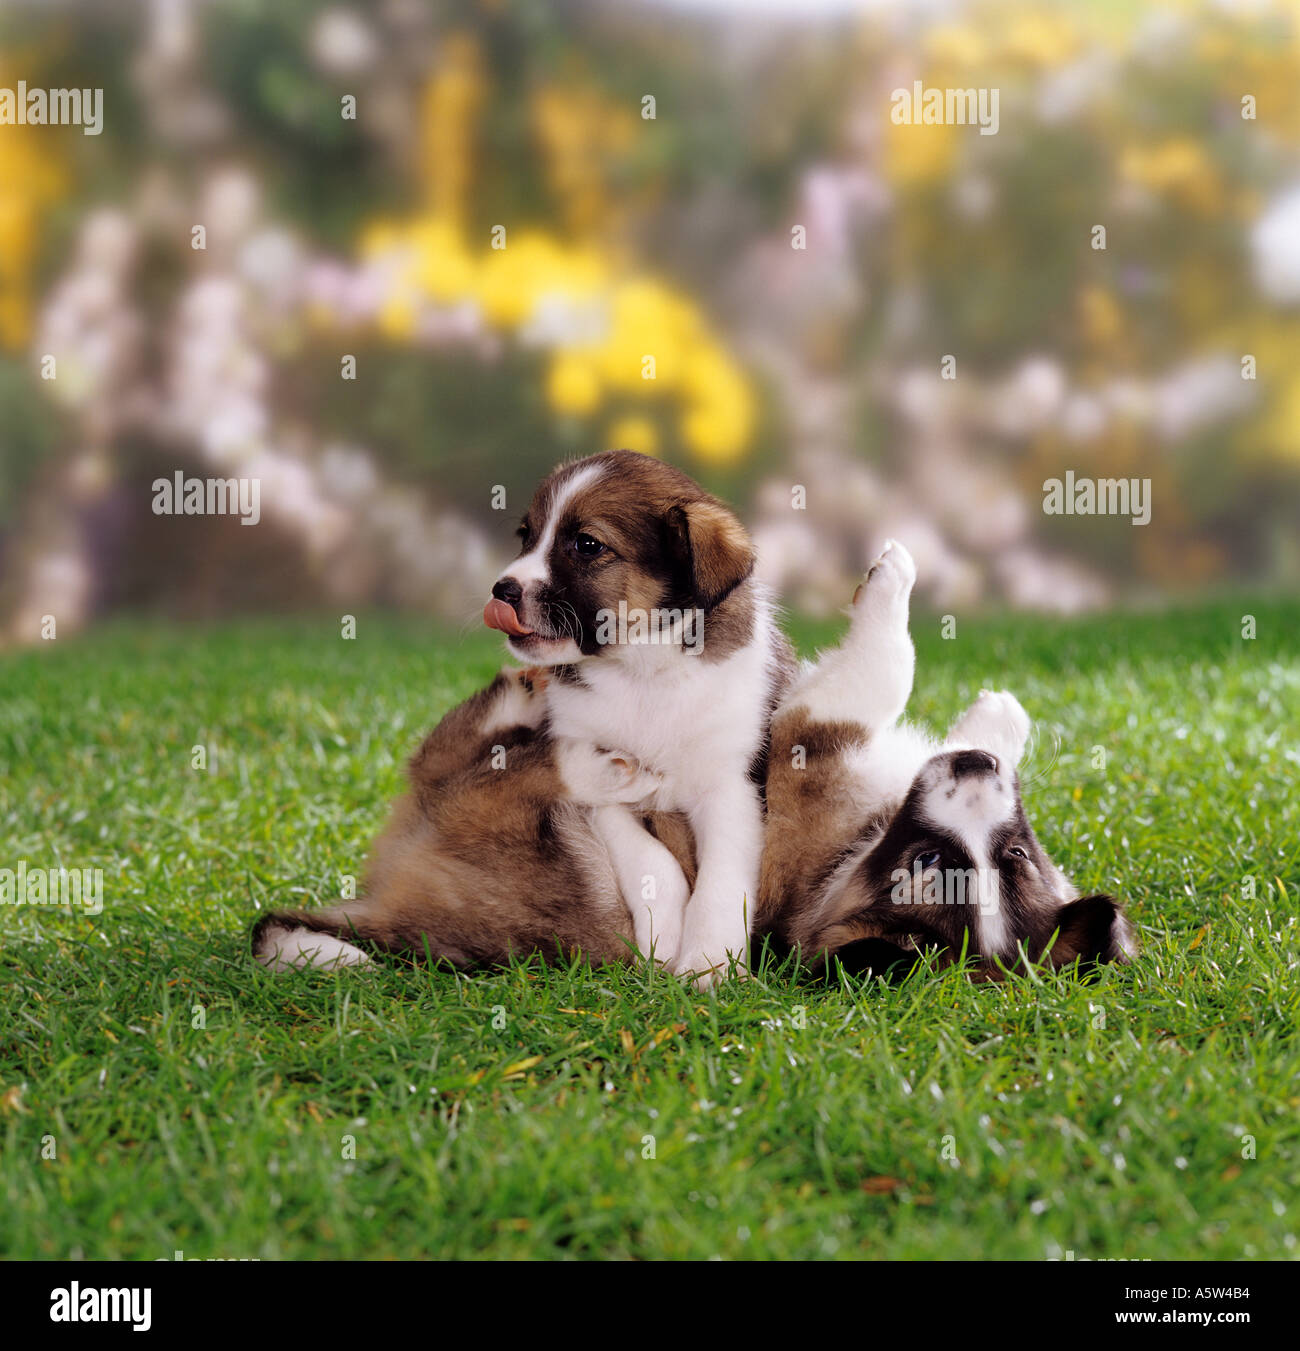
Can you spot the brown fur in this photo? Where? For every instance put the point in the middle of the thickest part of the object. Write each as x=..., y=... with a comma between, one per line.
x=670, y=545
x=480, y=862
x=811, y=813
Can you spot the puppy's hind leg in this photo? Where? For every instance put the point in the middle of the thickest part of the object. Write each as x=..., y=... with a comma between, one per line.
x=995, y=722
x=291, y=940
x=868, y=678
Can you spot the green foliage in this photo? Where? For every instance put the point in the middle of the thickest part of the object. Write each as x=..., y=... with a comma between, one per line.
x=27, y=436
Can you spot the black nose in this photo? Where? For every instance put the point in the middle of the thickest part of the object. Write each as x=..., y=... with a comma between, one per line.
x=508, y=590
x=972, y=764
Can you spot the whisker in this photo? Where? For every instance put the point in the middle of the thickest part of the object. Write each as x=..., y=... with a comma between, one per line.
x=1040, y=774
x=570, y=625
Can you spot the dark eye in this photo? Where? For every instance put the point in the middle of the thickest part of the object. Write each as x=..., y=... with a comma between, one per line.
x=588, y=546
x=1017, y=852
x=523, y=532
x=929, y=859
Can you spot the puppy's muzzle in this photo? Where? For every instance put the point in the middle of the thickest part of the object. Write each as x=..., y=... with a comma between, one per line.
x=973, y=765
x=502, y=611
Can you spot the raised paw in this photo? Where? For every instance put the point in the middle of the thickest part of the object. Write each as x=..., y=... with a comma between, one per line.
x=889, y=579
x=518, y=701
x=995, y=722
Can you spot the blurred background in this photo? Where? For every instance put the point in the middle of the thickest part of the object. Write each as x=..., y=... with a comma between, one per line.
x=717, y=185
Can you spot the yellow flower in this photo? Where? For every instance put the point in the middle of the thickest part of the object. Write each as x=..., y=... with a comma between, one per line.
x=1281, y=428
x=444, y=269
x=1100, y=316
x=513, y=278
x=452, y=100
x=647, y=319
x=1041, y=39
x=609, y=333
x=719, y=419
x=380, y=236
x=633, y=433
x=956, y=44
x=916, y=154
x=714, y=435
x=572, y=385
x=1178, y=168
x=397, y=316
x=31, y=177
x=580, y=132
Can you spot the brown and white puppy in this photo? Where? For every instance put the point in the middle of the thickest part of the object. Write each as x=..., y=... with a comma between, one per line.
x=633, y=587
x=486, y=856
x=881, y=841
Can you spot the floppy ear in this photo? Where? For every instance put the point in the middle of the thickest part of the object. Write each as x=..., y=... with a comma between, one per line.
x=1093, y=929
x=714, y=549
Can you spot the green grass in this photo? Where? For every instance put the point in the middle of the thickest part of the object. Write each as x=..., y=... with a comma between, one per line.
x=509, y=1114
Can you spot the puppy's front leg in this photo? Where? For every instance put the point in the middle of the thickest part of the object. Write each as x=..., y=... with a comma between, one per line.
x=650, y=881
x=728, y=830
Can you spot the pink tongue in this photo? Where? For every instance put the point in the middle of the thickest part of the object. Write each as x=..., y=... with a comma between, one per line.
x=498, y=615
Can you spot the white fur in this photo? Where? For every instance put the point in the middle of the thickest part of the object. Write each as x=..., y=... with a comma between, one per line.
x=994, y=722
x=602, y=778
x=286, y=949
x=533, y=568
x=518, y=706
x=878, y=642
x=697, y=725
x=650, y=881
x=694, y=725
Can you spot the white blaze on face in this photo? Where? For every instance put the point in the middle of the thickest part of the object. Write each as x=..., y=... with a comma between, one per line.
x=534, y=566
x=971, y=809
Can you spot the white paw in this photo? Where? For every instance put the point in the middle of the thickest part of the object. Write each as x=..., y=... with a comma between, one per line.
x=996, y=722
x=658, y=931
x=284, y=948
x=521, y=702
x=603, y=778
x=708, y=950
x=888, y=583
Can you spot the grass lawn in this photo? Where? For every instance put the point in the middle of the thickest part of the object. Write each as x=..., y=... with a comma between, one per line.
x=193, y=1102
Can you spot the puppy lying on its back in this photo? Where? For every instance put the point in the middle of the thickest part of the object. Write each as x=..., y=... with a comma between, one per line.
x=881, y=841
